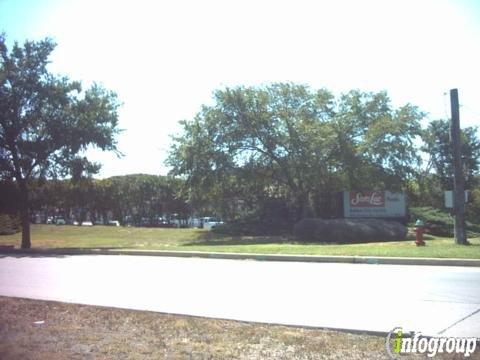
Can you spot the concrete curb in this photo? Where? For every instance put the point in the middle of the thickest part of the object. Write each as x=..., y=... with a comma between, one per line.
x=244, y=256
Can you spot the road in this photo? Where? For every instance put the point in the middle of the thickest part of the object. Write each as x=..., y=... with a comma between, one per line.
x=433, y=300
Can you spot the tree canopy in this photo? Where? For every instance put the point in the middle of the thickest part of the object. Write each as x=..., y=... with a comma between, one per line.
x=47, y=121
x=136, y=199
x=437, y=145
x=289, y=141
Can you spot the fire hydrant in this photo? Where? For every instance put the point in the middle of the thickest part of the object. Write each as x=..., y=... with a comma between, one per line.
x=419, y=230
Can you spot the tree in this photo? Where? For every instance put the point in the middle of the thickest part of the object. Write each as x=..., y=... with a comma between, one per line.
x=47, y=121
x=289, y=141
x=275, y=131
x=374, y=142
x=438, y=147
x=137, y=197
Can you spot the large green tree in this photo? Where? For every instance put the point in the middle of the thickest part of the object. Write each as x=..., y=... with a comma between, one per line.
x=375, y=143
x=295, y=142
x=47, y=121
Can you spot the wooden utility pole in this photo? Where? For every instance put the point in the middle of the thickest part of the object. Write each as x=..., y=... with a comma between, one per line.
x=459, y=181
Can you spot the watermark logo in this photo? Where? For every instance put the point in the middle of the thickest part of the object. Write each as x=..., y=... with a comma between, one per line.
x=398, y=343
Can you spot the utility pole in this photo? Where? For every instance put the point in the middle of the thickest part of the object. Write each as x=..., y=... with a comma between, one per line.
x=459, y=181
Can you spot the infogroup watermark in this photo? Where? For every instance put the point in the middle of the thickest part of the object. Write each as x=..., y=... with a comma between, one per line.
x=399, y=343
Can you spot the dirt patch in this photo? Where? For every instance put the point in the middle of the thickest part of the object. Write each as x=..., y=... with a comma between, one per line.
x=31, y=329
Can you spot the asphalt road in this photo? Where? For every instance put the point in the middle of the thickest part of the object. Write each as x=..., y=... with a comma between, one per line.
x=433, y=300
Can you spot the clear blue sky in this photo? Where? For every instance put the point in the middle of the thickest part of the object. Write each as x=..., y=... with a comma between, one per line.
x=164, y=58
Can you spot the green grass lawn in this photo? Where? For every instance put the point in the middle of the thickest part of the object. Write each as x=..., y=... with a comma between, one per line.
x=52, y=236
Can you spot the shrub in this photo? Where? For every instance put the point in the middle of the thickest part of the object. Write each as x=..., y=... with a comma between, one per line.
x=9, y=224
x=437, y=222
x=349, y=230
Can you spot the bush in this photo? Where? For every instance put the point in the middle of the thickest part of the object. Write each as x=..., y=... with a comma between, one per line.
x=349, y=230
x=437, y=222
x=473, y=207
x=9, y=224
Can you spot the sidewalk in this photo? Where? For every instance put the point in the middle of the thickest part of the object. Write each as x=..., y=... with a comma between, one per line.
x=246, y=256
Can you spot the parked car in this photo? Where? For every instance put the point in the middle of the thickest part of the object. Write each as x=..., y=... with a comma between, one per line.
x=87, y=223
x=208, y=223
x=60, y=221
x=195, y=222
x=145, y=221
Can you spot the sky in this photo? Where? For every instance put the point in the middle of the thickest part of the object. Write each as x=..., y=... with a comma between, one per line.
x=164, y=59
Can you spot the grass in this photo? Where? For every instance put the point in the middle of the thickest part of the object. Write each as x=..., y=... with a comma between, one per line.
x=52, y=236
x=68, y=331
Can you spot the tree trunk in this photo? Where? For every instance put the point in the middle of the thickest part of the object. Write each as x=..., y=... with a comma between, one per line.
x=25, y=216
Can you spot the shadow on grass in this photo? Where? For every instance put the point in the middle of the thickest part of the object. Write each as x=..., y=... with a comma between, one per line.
x=412, y=237
x=212, y=239
x=215, y=239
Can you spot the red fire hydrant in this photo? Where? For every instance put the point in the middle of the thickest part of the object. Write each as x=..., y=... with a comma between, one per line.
x=419, y=230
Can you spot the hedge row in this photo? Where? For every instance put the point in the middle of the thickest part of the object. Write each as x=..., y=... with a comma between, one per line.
x=437, y=222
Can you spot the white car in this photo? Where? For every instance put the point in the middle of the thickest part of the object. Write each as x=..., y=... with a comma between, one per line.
x=210, y=222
